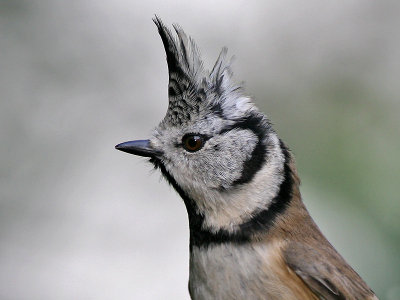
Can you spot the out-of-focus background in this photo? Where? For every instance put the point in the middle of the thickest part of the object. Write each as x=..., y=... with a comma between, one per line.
x=80, y=220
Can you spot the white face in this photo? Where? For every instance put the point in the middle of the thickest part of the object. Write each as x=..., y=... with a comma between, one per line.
x=232, y=154
x=216, y=165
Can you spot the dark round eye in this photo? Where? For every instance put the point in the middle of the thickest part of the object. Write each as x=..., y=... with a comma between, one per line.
x=192, y=142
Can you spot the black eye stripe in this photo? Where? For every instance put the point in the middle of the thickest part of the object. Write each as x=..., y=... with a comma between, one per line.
x=253, y=123
x=253, y=164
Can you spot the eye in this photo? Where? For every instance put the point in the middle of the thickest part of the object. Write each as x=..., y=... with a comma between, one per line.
x=192, y=142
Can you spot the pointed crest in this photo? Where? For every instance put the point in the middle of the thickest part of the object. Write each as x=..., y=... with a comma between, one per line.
x=183, y=57
x=190, y=86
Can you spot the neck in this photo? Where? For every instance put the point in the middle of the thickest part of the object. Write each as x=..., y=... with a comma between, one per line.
x=260, y=221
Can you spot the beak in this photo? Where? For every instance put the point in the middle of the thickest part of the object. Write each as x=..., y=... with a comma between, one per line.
x=141, y=148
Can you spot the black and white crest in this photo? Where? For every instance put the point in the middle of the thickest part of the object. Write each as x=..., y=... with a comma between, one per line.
x=192, y=89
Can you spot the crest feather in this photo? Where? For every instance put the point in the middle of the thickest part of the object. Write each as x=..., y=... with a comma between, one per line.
x=190, y=86
x=183, y=56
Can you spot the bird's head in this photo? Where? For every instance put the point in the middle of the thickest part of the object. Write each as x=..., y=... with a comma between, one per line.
x=214, y=146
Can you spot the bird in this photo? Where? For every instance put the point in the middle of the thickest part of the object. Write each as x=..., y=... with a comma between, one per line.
x=251, y=236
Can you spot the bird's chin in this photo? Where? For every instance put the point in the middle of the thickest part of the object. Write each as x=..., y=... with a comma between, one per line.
x=156, y=162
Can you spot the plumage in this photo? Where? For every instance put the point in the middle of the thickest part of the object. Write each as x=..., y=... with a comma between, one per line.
x=251, y=236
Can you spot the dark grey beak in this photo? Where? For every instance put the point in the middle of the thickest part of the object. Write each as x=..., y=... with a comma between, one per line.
x=141, y=148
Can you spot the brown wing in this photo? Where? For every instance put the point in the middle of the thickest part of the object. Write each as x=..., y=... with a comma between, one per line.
x=326, y=273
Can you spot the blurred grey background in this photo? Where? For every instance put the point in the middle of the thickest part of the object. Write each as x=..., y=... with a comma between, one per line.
x=80, y=220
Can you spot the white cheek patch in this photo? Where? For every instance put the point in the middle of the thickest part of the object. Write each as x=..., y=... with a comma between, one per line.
x=227, y=209
x=207, y=175
x=223, y=158
x=217, y=165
